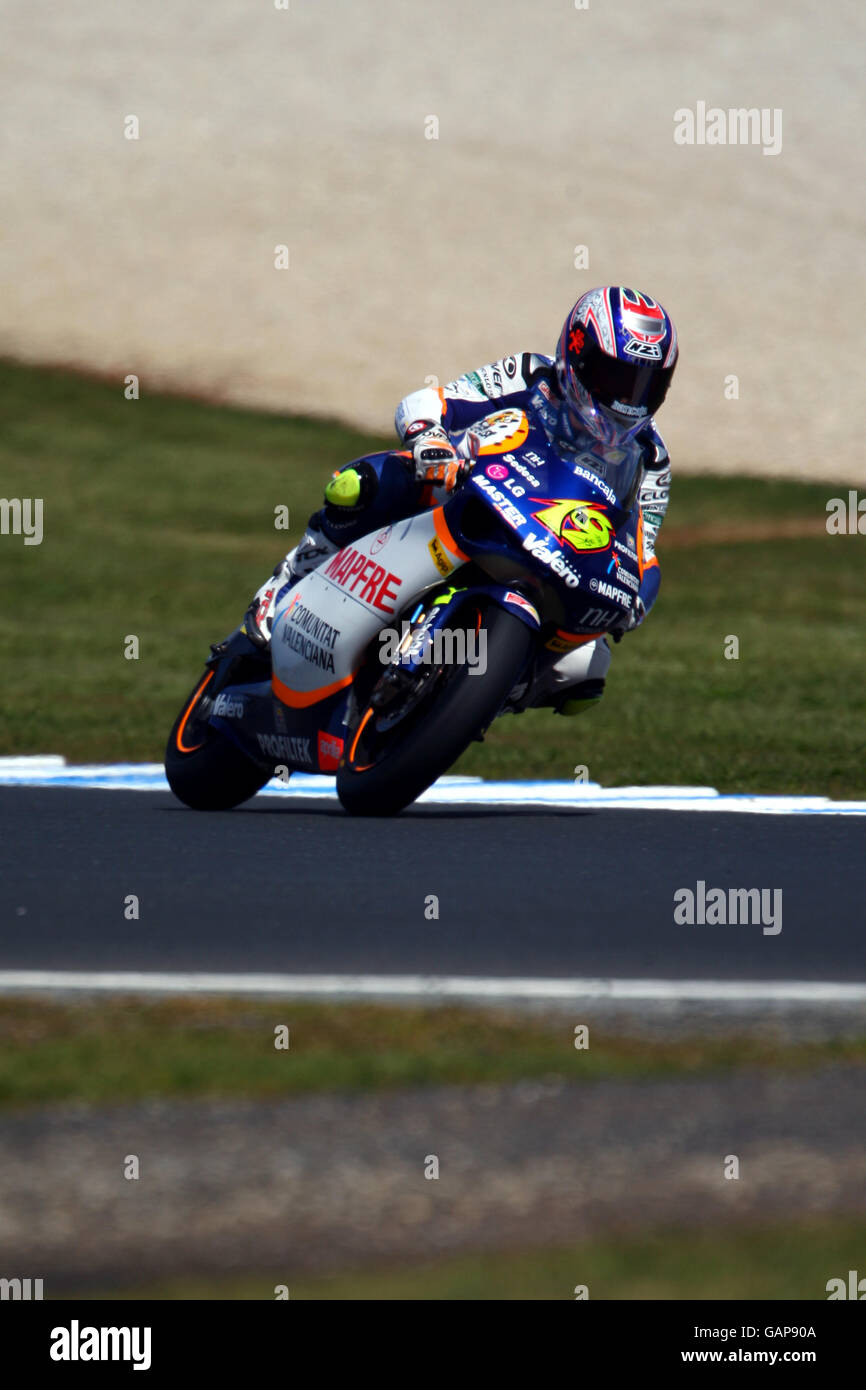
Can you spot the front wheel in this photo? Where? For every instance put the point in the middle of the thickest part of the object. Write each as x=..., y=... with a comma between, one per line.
x=390, y=763
x=205, y=770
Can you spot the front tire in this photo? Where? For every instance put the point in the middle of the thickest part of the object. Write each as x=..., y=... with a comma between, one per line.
x=205, y=770
x=413, y=758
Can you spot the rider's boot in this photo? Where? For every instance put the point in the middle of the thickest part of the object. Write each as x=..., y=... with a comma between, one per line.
x=575, y=683
x=313, y=547
x=577, y=699
x=572, y=685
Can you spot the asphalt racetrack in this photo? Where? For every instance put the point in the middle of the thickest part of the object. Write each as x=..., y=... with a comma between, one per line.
x=302, y=887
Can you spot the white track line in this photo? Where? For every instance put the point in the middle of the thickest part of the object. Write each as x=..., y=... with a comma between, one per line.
x=436, y=987
x=52, y=771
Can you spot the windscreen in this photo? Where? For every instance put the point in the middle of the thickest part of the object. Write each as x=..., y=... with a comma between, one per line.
x=622, y=474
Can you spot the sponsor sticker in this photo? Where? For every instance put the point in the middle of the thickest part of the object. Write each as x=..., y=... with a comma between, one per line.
x=496, y=470
x=500, y=502
x=582, y=525
x=520, y=468
x=330, y=751
x=439, y=556
x=539, y=548
x=595, y=618
x=309, y=635
x=630, y=580
x=611, y=591
x=497, y=434
x=370, y=582
x=520, y=602
x=491, y=379
x=590, y=476
x=229, y=706
x=381, y=540
x=287, y=746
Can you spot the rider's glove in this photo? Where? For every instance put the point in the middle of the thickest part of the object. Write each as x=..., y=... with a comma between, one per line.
x=434, y=456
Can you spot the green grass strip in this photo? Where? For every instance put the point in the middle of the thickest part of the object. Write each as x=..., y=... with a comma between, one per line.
x=120, y=1051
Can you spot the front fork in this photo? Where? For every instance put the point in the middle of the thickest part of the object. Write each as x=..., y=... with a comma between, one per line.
x=429, y=639
x=236, y=660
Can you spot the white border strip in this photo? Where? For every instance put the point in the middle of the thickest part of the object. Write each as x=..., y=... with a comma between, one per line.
x=436, y=987
x=51, y=771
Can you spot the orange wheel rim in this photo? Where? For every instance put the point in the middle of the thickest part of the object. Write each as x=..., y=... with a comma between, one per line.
x=358, y=732
x=182, y=747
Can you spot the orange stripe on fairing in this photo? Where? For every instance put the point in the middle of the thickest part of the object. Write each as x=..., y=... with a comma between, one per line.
x=442, y=401
x=445, y=535
x=300, y=699
x=182, y=748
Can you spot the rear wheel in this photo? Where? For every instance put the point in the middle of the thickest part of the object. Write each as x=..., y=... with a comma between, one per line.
x=205, y=770
x=392, y=758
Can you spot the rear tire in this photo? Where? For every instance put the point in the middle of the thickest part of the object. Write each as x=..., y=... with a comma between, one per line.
x=205, y=770
x=457, y=714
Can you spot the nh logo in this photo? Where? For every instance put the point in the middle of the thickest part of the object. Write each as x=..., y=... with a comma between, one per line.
x=21, y=1289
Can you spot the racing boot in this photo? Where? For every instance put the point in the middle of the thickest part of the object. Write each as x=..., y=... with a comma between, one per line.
x=313, y=547
x=577, y=699
x=572, y=685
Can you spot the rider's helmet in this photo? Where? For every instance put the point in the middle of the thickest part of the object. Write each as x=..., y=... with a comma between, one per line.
x=614, y=361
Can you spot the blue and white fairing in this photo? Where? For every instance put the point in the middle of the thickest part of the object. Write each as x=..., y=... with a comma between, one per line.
x=566, y=530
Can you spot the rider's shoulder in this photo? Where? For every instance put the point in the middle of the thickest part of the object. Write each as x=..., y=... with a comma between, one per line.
x=506, y=376
x=536, y=368
x=655, y=454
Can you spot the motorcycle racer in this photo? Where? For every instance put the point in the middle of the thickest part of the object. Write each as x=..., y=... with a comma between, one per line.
x=595, y=400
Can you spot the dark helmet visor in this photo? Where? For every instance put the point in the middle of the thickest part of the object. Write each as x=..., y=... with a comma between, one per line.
x=631, y=389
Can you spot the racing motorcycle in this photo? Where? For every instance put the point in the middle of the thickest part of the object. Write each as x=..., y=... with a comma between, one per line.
x=374, y=671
